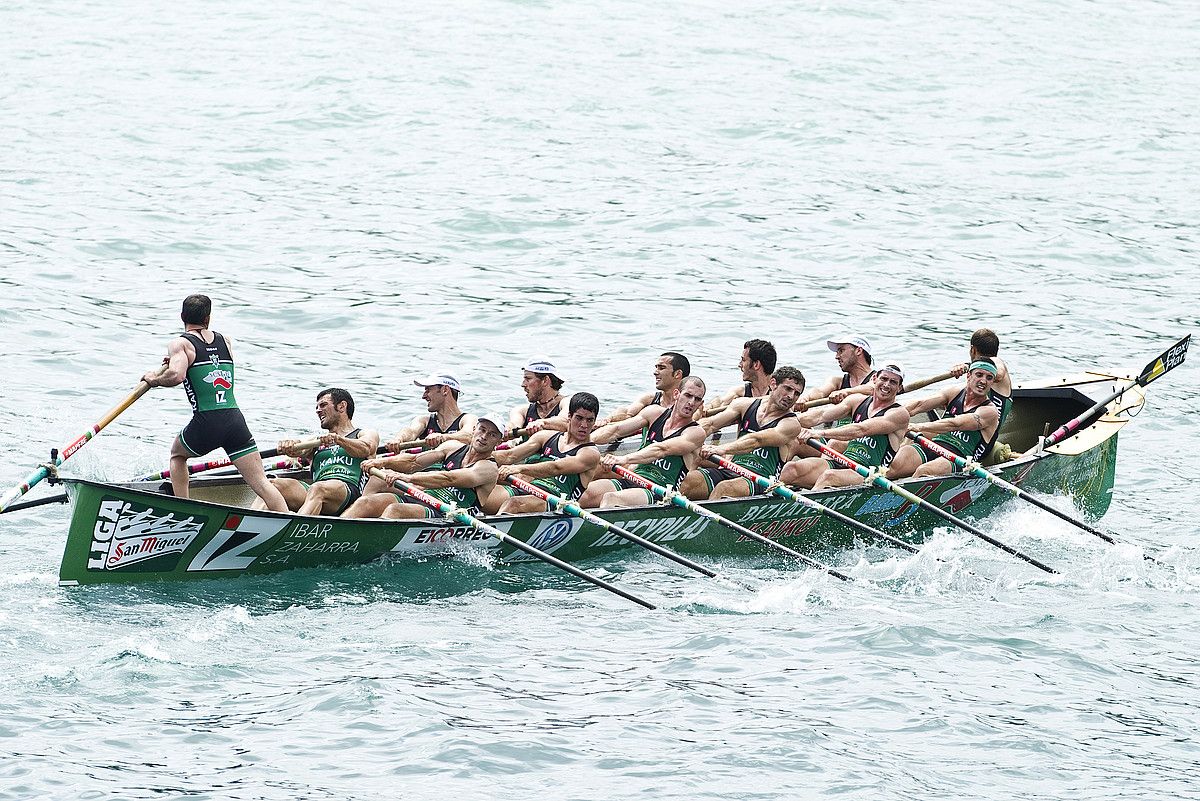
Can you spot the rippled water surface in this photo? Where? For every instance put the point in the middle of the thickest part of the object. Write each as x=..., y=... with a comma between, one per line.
x=369, y=190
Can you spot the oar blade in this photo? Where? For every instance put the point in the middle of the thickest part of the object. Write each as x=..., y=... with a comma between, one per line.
x=1169, y=360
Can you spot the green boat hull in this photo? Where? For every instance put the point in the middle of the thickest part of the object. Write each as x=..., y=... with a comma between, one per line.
x=136, y=533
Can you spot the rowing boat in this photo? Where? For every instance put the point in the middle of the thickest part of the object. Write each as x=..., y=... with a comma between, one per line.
x=134, y=532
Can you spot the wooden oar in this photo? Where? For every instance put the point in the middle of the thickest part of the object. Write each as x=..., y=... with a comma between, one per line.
x=452, y=511
x=204, y=467
x=216, y=464
x=909, y=387
x=764, y=483
x=977, y=470
x=568, y=507
x=685, y=503
x=66, y=453
x=1168, y=360
x=880, y=481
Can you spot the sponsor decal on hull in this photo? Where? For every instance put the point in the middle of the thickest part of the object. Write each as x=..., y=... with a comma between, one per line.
x=127, y=534
x=549, y=536
x=419, y=538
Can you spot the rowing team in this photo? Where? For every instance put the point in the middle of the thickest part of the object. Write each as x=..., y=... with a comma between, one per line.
x=557, y=449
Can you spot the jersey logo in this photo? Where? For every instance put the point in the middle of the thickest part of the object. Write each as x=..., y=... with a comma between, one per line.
x=220, y=378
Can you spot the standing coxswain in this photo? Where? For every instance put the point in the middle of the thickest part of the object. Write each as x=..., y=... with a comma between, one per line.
x=202, y=360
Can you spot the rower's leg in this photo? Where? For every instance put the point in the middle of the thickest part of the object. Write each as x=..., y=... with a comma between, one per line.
x=405, y=511
x=838, y=478
x=629, y=497
x=906, y=462
x=803, y=473
x=694, y=487
x=251, y=467
x=522, y=505
x=180, y=477
x=325, y=498
x=375, y=485
x=371, y=505
x=731, y=488
x=595, y=492
x=938, y=467
x=293, y=493
x=494, y=502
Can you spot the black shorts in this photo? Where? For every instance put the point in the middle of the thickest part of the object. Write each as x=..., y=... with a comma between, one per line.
x=222, y=428
x=353, y=493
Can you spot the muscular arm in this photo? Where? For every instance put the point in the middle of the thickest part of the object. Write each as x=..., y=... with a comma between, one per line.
x=980, y=418
x=408, y=462
x=362, y=448
x=632, y=409
x=582, y=462
x=478, y=474
x=934, y=401
x=727, y=417
x=777, y=437
x=827, y=414
x=821, y=390
x=688, y=442
x=895, y=420
x=839, y=395
x=616, y=431
x=556, y=423
x=179, y=357
x=519, y=453
x=409, y=432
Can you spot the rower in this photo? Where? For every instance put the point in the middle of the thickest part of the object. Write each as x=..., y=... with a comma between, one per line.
x=467, y=474
x=541, y=383
x=202, y=360
x=444, y=419
x=969, y=426
x=872, y=436
x=764, y=442
x=669, y=370
x=853, y=355
x=670, y=448
x=757, y=364
x=337, y=476
x=985, y=345
x=561, y=463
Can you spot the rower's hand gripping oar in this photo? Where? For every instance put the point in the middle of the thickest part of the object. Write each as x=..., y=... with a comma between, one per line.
x=1168, y=360
x=66, y=453
x=764, y=483
x=568, y=507
x=452, y=511
x=881, y=481
x=682, y=501
x=977, y=470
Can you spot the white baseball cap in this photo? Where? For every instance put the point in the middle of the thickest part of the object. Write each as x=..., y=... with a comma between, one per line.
x=439, y=380
x=499, y=421
x=893, y=368
x=849, y=339
x=542, y=366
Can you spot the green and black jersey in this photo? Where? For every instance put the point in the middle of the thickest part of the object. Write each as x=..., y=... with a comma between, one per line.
x=334, y=463
x=764, y=461
x=872, y=450
x=970, y=444
x=209, y=379
x=569, y=485
x=668, y=470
